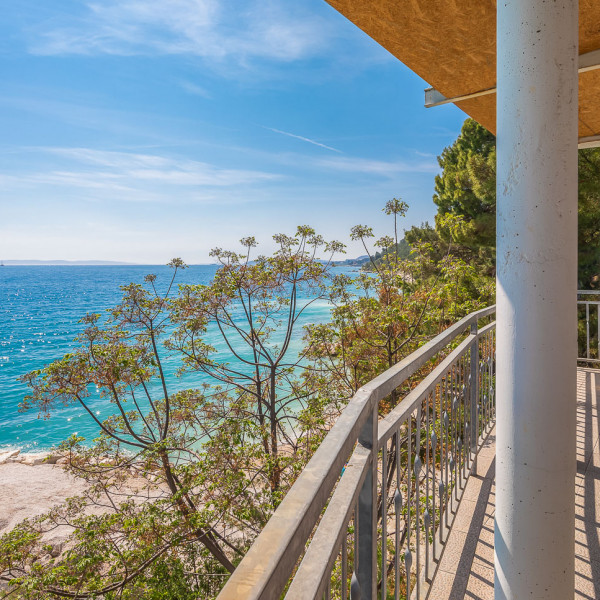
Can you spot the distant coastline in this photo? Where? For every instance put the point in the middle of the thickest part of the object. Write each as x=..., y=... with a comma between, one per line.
x=82, y=263
x=350, y=262
x=64, y=263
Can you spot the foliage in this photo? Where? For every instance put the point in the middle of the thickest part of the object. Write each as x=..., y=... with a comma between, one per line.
x=589, y=219
x=382, y=316
x=397, y=248
x=256, y=306
x=180, y=480
x=402, y=250
x=465, y=193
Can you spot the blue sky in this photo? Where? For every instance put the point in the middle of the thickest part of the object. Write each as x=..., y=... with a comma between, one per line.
x=139, y=130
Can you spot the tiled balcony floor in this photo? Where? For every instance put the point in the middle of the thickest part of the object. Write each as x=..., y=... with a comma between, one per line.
x=466, y=569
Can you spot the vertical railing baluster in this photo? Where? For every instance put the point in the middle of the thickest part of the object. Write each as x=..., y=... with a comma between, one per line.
x=450, y=410
x=397, y=510
x=441, y=454
x=597, y=329
x=470, y=418
x=465, y=436
x=454, y=458
x=587, y=329
x=354, y=584
x=446, y=420
x=355, y=541
x=493, y=336
x=482, y=383
x=486, y=383
x=467, y=401
x=474, y=397
x=355, y=592
x=490, y=381
x=408, y=553
x=433, y=455
x=443, y=451
x=465, y=448
x=384, y=500
x=460, y=420
x=456, y=454
x=344, y=590
x=487, y=379
x=427, y=515
x=367, y=514
x=417, y=471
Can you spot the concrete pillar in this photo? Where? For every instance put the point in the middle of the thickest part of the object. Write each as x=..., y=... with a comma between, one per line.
x=536, y=285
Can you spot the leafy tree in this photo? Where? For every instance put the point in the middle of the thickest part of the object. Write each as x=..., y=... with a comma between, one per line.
x=589, y=218
x=395, y=207
x=465, y=194
x=180, y=480
x=466, y=188
x=255, y=306
x=383, y=315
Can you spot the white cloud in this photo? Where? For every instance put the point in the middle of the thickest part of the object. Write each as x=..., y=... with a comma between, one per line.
x=378, y=167
x=425, y=154
x=194, y=89
x=154, y=168
x=126, y=176
x=207, y=28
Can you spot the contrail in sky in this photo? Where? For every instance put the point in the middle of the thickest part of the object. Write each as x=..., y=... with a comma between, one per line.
x=304, y=139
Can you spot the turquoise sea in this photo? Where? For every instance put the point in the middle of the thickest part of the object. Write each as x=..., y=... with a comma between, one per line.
x=40, y=307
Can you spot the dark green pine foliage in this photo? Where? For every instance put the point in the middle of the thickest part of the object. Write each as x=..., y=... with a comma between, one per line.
x=465, y=194
x=589, y=219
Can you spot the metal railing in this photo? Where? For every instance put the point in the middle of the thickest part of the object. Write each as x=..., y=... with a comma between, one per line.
x=588, y=326
x=390, y=487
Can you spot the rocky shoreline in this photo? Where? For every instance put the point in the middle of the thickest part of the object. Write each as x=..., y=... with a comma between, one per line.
x=32, y=459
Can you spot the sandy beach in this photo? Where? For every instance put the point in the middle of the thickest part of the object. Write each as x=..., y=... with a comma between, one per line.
x=30, y=490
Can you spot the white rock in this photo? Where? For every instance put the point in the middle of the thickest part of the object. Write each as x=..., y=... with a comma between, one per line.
x=38, y=458
x=6, y=456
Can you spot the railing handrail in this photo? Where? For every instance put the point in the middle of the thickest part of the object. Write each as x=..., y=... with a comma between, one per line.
x=311, y=577
x=268, y=564
x=408, y=404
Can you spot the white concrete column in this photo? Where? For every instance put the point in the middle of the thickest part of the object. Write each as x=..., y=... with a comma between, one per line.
x=536, y=286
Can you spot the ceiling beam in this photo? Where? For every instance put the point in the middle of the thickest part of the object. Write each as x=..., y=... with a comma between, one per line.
x=592, y=141
x=590, y=61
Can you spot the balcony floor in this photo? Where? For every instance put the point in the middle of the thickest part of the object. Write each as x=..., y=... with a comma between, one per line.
x=466, y=569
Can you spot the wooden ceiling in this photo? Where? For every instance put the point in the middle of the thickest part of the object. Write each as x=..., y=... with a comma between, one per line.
x=451, y=44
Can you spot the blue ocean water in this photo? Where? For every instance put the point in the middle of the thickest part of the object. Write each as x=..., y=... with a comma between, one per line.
x=40, y=307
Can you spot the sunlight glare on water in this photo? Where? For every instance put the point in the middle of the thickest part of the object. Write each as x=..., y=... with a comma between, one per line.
x=40, y=307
